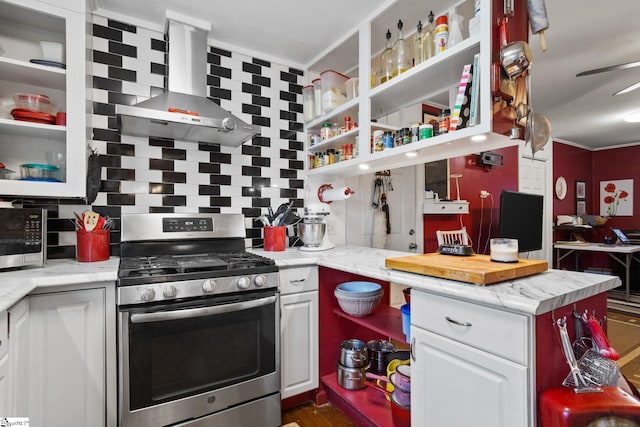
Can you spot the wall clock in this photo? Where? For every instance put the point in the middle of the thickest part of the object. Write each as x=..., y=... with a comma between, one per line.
x=561, y=188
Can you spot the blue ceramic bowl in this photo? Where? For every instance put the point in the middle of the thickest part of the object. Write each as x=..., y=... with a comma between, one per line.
x=359, y=289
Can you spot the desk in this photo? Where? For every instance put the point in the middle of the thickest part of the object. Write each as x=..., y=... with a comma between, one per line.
x=629, y=252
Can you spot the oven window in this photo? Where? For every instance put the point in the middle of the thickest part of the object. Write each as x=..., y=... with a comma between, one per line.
x=169, y=360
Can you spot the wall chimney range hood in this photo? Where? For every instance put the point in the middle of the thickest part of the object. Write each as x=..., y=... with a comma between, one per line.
x=184, y=112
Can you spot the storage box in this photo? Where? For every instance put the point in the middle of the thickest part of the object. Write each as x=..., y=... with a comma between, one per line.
x=52, y=51
x=352, y=88
x=333, y=90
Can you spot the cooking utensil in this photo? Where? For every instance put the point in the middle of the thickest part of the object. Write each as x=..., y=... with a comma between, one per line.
x=537, y=131
x=580, y=383
x=515, y=57
x=596, y=370
x=90, y=220
x=600, y=339
x=93, y=176
x=353, y=354
x=351, y=378
x=400, y=414
x=377, y=350
x=538, y=20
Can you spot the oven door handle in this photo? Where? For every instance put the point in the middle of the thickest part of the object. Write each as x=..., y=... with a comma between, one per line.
x=189, y=313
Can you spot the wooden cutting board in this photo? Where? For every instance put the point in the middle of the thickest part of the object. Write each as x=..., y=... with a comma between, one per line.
x=477, y=269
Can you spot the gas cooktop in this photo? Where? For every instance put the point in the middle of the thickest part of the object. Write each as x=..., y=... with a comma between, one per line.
x=163, y=268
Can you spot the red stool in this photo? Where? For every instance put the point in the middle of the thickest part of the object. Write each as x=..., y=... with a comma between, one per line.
x=562, y=407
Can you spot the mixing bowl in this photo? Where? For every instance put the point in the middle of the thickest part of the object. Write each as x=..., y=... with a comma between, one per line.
x=312, y=234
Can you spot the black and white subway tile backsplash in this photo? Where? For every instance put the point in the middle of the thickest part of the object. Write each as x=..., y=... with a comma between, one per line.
x=154, y=175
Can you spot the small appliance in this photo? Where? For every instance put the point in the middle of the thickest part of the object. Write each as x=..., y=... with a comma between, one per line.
x=23, y=237
x=314, y=215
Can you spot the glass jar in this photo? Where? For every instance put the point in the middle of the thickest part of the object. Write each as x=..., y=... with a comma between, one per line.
x=348, y=124
x=325, y=132
x=444, y=121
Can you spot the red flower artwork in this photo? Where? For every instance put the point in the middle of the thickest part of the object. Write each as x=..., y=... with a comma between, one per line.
x=612, y=200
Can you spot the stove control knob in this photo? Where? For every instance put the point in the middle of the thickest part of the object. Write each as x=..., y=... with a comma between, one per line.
x=208, y=286
x=170, y=291
x=260, y=280
x=244, y=282
x=147, y=294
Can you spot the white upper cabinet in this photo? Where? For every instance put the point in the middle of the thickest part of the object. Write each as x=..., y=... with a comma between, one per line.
x=23, y=25
x=384, y=106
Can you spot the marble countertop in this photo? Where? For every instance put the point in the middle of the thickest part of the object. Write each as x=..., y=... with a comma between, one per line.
x=15, y=284
x=535, y=294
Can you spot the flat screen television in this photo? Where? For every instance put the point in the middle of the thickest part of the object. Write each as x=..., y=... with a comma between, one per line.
x=521, y=217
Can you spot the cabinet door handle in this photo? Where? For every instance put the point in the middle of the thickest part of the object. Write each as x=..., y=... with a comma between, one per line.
x=413, y=346
x=457, y=322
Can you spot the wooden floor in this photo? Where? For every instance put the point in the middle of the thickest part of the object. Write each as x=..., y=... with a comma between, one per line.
x=626, y=341
x=310, y=415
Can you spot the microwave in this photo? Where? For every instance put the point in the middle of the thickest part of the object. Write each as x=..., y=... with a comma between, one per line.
x=23, y=237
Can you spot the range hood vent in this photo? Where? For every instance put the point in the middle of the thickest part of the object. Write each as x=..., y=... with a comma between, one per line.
x=184, y=112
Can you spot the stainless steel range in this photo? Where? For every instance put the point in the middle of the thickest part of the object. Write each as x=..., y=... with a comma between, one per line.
x=198, y=324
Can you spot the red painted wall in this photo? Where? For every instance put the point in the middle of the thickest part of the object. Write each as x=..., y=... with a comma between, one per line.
x=577, y=164
x=475, y=178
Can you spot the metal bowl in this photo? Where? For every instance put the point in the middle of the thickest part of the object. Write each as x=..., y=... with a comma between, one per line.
x=312, y=233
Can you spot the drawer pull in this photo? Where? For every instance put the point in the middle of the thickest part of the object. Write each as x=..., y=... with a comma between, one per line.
x=295, y=282
x=456, y=322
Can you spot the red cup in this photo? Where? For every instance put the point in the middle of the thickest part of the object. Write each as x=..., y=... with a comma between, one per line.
x=92, y=245
x=274, y=238
x=61, y=118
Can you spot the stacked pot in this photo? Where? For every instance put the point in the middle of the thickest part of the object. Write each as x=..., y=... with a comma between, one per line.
x=353, y=364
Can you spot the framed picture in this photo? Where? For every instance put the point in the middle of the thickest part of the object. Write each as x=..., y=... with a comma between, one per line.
x=581, y=190
x=581, y=207
x=616, y=197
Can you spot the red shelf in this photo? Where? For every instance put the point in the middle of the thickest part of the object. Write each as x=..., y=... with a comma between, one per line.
x=384, y=320
x=371, y=405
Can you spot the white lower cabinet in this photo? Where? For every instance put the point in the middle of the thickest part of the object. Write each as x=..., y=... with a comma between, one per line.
x=19, y=359
x=60, y=368
x=298, y=330
x=457, y=377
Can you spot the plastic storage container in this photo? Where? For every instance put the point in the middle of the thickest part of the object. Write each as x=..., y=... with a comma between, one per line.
x=308, y=103
x=333, y=90
x=33, y=102
x=52, y=51
x=317, y=95
x=39, y=172
x=352, y=88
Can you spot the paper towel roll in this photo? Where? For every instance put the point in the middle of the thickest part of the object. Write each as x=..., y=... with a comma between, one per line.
x=334, y=194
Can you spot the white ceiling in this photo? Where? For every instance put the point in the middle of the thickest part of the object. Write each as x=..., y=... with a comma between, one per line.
x=582, y=35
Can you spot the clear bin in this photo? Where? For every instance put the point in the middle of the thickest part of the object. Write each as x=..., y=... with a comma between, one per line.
x=333, y=90
x=317, y=95
x=308, y=103
x=352, y=88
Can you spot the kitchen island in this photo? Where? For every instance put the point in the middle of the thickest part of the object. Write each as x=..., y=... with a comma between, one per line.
x=488, y=349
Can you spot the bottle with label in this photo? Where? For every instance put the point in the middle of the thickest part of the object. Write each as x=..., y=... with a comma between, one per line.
x=444, y=120
x=418, y=48
x=386, y=60
x=428, y=39
x=441, y=35
x=400, y=52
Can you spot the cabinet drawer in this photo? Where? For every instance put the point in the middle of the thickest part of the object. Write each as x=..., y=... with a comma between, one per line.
x=499, y=332
x=4, y=329
x=298, y=279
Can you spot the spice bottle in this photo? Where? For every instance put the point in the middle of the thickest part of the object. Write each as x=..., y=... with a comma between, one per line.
x=325, y=131
x=444, y=121
x=441, y=35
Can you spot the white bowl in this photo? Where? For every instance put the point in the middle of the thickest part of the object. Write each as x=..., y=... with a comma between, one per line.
x=357, y=306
